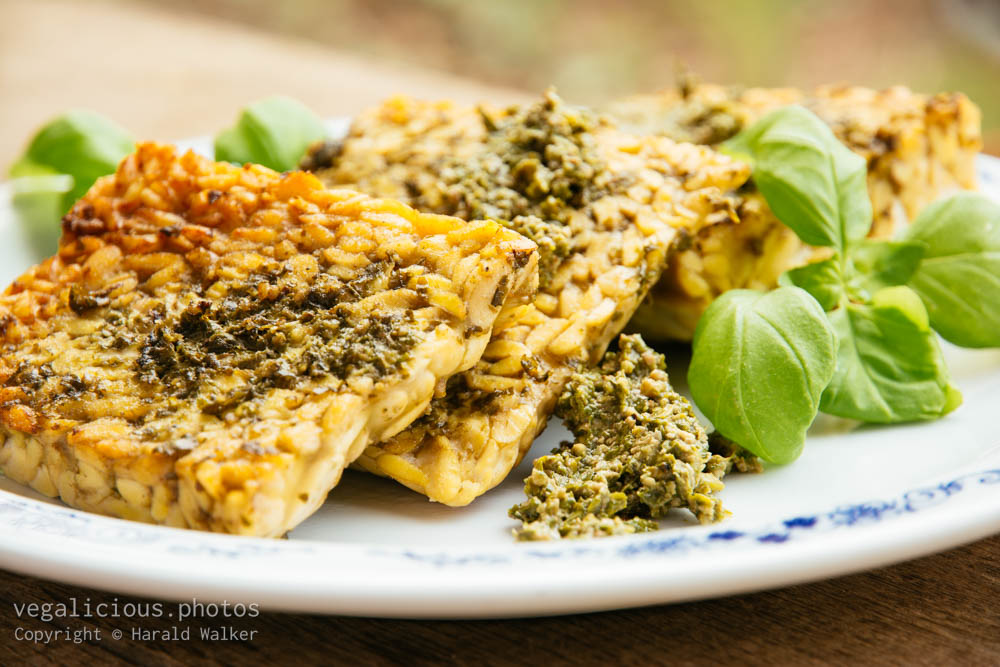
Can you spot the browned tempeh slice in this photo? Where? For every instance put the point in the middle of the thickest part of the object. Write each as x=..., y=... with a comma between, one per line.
x=212, y=345
x=604, y=207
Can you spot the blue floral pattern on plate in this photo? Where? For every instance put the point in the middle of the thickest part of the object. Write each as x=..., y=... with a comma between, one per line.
x=23, y=514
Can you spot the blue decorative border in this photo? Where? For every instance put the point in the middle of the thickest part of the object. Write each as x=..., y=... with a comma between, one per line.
x=37, y=517
x=797, y=527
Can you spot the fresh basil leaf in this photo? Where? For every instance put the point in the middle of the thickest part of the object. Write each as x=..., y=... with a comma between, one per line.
x=275, y=132
x=26, y=169
x=81, y=144
x=959, y=277
x=889, y=365
x=878, y=264
x=744, y=144
x=39, y=202
x=822, y=280
x=759, y=364
x=814, y=184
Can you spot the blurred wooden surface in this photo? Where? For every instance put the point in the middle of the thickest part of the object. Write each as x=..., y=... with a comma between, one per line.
x=939, y=610
x=166, y=76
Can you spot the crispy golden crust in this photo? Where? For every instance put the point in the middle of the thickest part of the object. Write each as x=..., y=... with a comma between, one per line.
x=212, y=345
x=473, y=436
x=917, y=147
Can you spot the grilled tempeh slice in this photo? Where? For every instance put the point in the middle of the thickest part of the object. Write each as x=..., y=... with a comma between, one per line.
x=918, y=147
x=213, y=345
x=604, y=208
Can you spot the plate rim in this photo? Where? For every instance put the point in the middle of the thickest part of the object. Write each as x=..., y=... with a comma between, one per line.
x=948, y=512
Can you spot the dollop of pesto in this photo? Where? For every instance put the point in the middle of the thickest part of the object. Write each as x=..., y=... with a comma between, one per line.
x=728, y=456
x=539, y=164
x=638, y=451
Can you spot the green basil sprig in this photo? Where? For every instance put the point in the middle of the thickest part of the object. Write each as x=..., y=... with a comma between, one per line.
x=959, y=276
x=814, y=185
x=880, y=264
x=823, y=280
x=81, y=144
x=760, y=363
x=62, y=161
x=883, y=300
x=274, y=132
x=889, y=365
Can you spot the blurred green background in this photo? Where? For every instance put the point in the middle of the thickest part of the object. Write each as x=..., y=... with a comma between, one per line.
x=597, y=49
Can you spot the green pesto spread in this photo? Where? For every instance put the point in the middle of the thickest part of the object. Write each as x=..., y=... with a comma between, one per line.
x=638, y=451
x=299, y=331
x=728, y=456
x=539, y=163
x=267, y=331
x=693, y=120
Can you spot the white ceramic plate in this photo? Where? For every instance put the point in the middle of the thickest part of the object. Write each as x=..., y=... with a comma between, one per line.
x=859, y=497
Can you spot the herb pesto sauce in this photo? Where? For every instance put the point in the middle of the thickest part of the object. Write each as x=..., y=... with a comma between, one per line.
x=638, y=451
x=540, y=163
x=270, y=329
